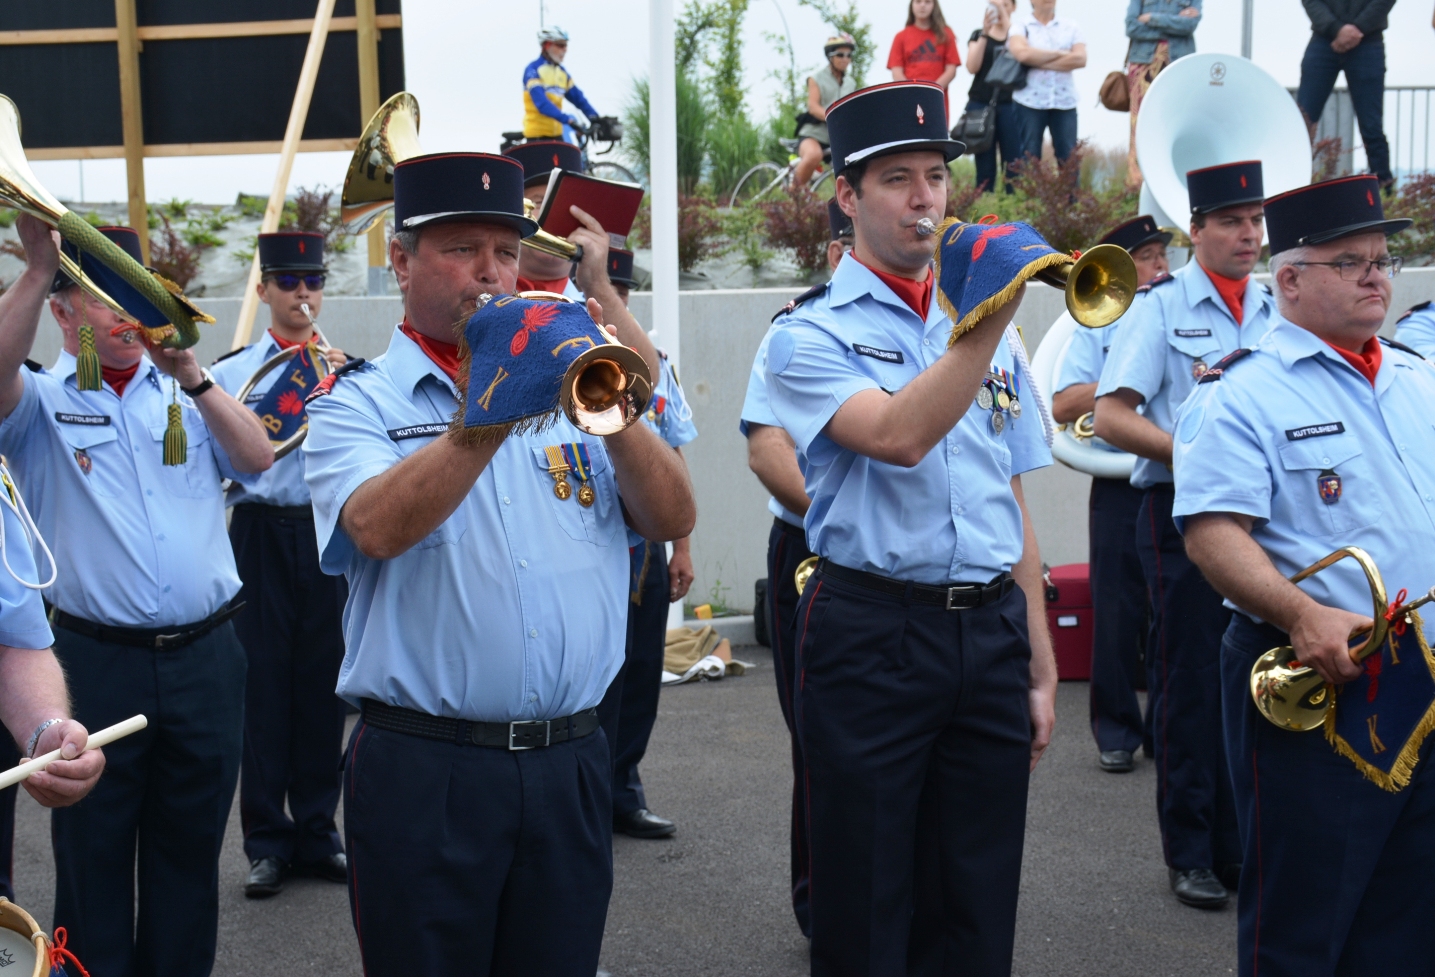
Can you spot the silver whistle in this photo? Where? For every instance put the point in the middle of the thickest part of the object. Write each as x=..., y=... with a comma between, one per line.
x=926, y=227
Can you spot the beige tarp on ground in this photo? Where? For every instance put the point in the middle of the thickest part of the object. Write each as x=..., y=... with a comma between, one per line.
x=702, y=654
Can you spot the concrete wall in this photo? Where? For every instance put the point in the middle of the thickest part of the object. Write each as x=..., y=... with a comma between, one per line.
x=721, y=331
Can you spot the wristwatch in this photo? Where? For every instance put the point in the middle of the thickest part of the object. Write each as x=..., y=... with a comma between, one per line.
x=35, y=736
x=204, y=385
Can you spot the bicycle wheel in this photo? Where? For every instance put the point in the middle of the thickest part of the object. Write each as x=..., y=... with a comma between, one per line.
x=756, y=183
x=606, y=170
x=823, y=186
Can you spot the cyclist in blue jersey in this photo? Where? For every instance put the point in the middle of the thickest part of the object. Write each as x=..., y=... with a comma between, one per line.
x=546, y=83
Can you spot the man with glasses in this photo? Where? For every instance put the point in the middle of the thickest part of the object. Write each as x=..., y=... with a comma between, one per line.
x=290, y=624
x=1177, y=328
x=546, y=83
x=1320, y=438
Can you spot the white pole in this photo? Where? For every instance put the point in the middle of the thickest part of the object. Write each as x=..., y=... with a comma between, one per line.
x=1248, y=23
x=663, y=175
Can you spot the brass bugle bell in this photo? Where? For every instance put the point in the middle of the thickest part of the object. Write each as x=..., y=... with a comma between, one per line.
x=321, y=366
x=803, y=573
x=1294, y=696
x=541, y=240
x=391, y=136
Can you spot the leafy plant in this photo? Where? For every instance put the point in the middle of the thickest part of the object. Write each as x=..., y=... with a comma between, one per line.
x=1416, y=200
x=734, y=146
x=311, y=210
x=699, y=226
x=1325, y=155
x=693, y=118
x=745, y=230
x=797, y=220
x=171, y=255
x=251, y=206
x=848, y=19
x=1069, y=211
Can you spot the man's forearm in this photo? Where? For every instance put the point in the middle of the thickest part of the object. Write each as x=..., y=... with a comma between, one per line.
x=389, y=513
x=32, y=690
x=1068, y=61
x=653, y=483
x=1118, y=424
x=1236, y=566
x=237, y=429
x=1027, y=574
x=772, y=457
x=1071, y=402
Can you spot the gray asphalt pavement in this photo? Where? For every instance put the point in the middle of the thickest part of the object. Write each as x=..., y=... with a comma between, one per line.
x=713, y=900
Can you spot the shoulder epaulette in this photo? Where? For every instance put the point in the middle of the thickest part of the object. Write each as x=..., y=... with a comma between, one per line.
x=34, y=367
x=1161, y=279
x=811, y=293
x=1412, y=310
x=326, y=385
x=1223, y=364
x=1267, y=289
x=1393, y=344
x=232, y=352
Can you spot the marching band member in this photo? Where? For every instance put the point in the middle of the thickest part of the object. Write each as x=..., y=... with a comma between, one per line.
x=1118, y=590
x=486, y=609
x=1416, y=329
x=1316, y=439
x=290, y=627
x=142, y=607
x=1174, y=331
x=538, y=270
x=922, y=704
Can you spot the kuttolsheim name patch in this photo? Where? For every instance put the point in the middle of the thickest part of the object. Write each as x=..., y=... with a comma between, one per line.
x=417, y=431
x=1193, y=333
x=89, y=420
x=885, y=355
x=1315, y=431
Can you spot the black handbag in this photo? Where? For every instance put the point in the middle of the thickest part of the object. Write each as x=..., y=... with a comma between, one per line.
x=977, y=128
x=1007, y=72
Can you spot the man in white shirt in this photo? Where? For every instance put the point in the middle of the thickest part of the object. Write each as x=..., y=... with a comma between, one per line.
x=1052, y=48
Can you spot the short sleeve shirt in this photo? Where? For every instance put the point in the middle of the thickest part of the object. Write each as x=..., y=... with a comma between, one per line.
x=920, y=55
x=952, y=518
x=668, y=415
x=22, y=609
x=1417, y=330
x=757, y=409
x=1047, y=89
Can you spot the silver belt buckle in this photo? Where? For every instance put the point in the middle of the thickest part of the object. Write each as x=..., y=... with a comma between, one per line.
x=547, y=733
x=162, y=640
x=953, y=591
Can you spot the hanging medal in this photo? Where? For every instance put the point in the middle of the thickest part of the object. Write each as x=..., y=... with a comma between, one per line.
x=984, y=393
x=558, y=467
x=1015, y=408
x=576, y=454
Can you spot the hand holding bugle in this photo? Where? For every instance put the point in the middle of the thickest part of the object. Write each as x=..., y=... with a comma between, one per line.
x=104, y=737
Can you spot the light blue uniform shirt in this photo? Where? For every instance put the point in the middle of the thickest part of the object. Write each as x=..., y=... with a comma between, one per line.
x=140, y=544
x=673, y=422
x=756, y=409
x=1417, y=330
x=22, y=610
x=1170, y=335
x=1257, y=441
x=1085, y=357
x=952, y=517
x=282, y=484
x=515, y=607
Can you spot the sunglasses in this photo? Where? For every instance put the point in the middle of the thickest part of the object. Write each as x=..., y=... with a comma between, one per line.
x=288, y=283
x=841, y=54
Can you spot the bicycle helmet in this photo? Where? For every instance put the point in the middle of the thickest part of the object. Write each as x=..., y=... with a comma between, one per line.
x=552, y=35
x=840, y=41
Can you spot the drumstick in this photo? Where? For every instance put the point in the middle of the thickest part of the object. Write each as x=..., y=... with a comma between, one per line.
x=103, y=738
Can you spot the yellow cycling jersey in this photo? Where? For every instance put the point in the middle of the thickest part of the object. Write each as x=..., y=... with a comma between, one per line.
x=545, y=86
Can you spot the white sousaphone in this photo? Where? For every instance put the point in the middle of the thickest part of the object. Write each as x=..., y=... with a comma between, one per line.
x=1202, y=110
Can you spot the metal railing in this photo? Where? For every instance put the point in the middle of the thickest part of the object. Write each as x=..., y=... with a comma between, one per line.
x=1408, y=115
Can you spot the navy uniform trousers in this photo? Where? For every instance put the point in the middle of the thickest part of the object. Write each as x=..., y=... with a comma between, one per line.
x=915, y=725
x=506, y=857
x=1193, y=787
x=293, y=722
x=630, y=706
x=1336, y=878
x=1121, y=614
x=786, y=548
x=160, y=808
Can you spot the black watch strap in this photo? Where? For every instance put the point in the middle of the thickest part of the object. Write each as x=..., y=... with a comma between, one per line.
x=195, y=391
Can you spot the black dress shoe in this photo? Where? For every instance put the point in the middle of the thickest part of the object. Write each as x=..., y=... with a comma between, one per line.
x=643, y=823
x=1199, y=887
x=335, y=868
x=1117, y=761
x=266, y=878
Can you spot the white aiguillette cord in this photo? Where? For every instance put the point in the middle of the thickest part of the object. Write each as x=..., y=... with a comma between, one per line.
x=104, y=737
x=11, y=497
x=1018, y=352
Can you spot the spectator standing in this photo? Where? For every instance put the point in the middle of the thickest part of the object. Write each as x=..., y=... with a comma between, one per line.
x=1348, y=36
x=926, y=49
x=1161, y=31
x=985, y=45
x=1052, y=47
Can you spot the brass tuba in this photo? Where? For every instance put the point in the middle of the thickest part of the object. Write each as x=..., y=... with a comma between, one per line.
x=20, y=189
x=391, y=137
x=1294, y=696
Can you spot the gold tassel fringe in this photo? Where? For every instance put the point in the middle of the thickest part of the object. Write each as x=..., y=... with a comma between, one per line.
x=87, y=364
x=176, y=441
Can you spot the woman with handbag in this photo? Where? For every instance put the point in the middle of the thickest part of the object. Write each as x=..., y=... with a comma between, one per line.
x=989, y=107
x=1161, y=31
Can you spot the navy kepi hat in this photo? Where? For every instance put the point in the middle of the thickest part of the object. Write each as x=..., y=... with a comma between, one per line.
x=840, y=223
x=1135, y=233
x=620, y=267
x=460, y=187
x=1326, y=211
x=898, y=117
x=291, y=251
x=543, y=156
x=1226, y=185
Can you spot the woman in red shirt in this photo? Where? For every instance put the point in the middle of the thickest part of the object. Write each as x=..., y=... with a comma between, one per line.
x=925, y=50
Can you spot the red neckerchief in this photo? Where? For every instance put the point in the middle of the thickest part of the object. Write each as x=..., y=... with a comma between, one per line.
x=119, y=379
x=917, y=295
x=529, y=285
x=444, y=355
x=1233, y=290
x=288, y=343
x=1366, y=362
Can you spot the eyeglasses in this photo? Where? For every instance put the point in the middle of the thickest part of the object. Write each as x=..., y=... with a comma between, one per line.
x=1355, y=269
x=841, y=54
x=288, y=283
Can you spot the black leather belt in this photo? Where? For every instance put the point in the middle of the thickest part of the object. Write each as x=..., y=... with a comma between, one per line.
x=790, y=529
x=523, y=735
x=278, y=511
x=955, y=597
x=161, y=638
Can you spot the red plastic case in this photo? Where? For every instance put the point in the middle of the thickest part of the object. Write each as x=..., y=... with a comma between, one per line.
x=1068, y=615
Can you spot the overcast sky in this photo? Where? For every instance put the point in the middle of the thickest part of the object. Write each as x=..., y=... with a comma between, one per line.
x=465, y=61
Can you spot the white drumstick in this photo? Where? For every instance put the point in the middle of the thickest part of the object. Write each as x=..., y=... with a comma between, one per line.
x=103, y=738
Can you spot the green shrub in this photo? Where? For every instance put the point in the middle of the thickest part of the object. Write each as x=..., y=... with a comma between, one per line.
x=746, y=231
x=797, y=220
x=734, y=147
